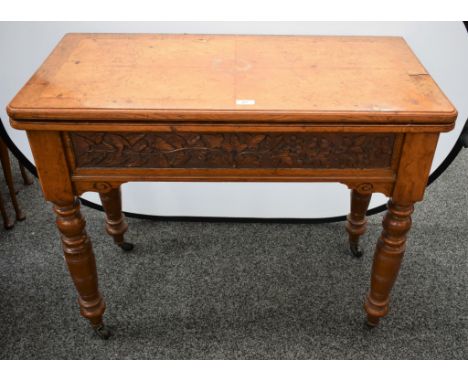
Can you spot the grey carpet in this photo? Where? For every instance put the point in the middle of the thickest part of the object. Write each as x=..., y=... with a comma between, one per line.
x=239, y=291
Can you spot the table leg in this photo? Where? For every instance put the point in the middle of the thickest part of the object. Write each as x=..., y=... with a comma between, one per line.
x=5, y=159
x=7, y=222
x=387, y=259
x=27, y=180
x=116, y=225
x=81, y=264
x=356, y=223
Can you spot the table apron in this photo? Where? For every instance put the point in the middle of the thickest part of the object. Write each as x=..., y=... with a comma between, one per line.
x=270, y=151
x=103, y=180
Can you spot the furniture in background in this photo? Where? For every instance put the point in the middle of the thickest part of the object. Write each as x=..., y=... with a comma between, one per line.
x=6, y=165
x=105, y=109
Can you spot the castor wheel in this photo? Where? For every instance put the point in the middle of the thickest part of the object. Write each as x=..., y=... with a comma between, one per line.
x=355, y=250
x=102, y=331
x=126, y=246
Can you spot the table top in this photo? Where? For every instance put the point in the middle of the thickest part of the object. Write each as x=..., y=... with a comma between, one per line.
x=149, y=77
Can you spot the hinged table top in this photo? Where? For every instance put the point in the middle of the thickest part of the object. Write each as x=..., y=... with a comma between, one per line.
x=142, y=77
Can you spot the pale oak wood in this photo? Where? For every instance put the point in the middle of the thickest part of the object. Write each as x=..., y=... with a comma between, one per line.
x=116, y=225
x=200, y=77
x=127, y=92
x=356, y=222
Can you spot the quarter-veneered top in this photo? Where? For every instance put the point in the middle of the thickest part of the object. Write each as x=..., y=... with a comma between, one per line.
x=142, y=77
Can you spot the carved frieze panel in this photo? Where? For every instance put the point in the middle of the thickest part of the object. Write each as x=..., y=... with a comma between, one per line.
x=232, y=150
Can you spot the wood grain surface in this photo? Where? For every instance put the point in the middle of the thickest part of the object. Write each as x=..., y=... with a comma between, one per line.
x=244, y=150
x=105, y=109
x=232, y=78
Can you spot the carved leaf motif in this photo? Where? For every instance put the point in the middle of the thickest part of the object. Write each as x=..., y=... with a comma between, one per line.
x=94, y=157
x=162, y=145
x=232, y=150
x=212, y=141
x=139, y=144
x=254, y=140
x=115, y=141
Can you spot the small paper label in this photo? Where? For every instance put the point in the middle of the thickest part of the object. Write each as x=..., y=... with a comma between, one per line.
x=245, y=102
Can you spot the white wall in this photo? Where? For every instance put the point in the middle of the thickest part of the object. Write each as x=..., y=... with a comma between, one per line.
x=441, y=46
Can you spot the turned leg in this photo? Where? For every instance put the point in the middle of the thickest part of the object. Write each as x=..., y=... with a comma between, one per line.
x=356, y=221
x=116, y=225
x=5, y=159
x=81, y=264
x=7, y=222
x=387, y=259
x=27, y=180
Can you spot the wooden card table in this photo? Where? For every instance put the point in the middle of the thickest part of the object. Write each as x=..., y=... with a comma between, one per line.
x=105, y=109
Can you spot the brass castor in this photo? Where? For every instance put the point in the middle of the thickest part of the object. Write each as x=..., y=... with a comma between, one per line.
x=126, y=246
x=102, y=331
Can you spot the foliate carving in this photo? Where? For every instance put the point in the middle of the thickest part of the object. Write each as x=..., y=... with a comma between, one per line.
x=232, y=150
